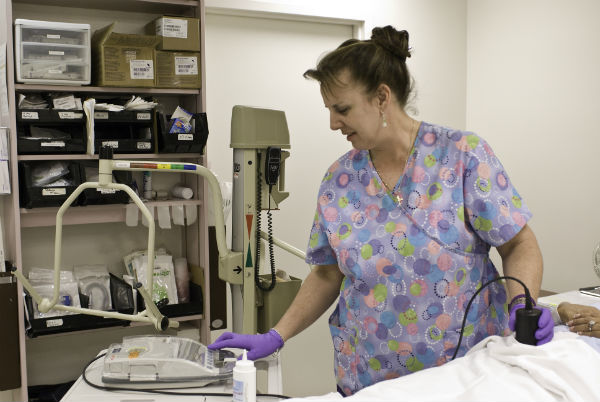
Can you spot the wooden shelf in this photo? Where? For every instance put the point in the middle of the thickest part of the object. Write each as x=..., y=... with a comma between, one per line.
x=177, y=7
x=89, y=214
x=52, y=157
x=85, y=88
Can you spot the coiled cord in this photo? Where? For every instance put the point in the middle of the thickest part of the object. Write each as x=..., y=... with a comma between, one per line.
x=269, y=231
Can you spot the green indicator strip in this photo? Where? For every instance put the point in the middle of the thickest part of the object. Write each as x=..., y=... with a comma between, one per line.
x=249, y=258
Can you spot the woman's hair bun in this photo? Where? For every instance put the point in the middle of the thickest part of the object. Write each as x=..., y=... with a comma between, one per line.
x=391, y=40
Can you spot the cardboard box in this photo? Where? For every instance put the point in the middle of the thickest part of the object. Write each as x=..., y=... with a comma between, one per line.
x=123, y=60
x=178, y=70
x=176, y=33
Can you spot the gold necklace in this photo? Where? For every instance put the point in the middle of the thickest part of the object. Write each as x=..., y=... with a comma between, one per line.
x=390, y=190
x=396, y=197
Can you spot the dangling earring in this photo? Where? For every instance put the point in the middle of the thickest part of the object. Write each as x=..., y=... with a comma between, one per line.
x=384, y=122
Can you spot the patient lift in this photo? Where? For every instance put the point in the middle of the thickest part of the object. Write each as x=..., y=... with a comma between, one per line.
x=257, y=137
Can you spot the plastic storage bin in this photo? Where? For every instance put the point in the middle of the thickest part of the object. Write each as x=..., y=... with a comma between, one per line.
x=97, y=196
x=182, y=142
x=43, y=131
x=121, y=296
x=52, y=52
x=48, y=195
x=125, y=132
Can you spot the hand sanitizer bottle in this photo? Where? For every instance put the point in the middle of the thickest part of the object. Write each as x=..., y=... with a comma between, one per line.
x=244, y=380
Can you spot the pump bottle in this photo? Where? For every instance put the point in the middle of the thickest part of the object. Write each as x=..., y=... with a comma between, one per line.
x=244, y=380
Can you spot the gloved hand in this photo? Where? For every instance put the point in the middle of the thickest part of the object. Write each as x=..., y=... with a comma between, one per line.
x=258, y=346
x=545, y=330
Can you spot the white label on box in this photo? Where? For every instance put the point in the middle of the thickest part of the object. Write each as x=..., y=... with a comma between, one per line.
x=185, y=137
x=101, y=115
x=56, y=52
x=54, y=191
x=29, y=115
x=52, y=36
x=112, y=144
x=65, y=103
x=141, y=69
x=143, y=145
x=144, y=116
x=53, y=144
x=57, y=322
x=55, y=72
x=70, y=115
x=107, y=190
x=186, y=66
x=172, y=28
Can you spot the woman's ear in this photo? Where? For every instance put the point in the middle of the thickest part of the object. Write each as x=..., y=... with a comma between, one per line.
x=383, y=95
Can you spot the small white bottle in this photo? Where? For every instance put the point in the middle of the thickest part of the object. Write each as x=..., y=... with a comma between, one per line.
x=147, y=184
x=244, y=380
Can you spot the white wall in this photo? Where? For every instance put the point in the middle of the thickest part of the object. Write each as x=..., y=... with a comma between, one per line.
x=438, y=38
x=532, y=74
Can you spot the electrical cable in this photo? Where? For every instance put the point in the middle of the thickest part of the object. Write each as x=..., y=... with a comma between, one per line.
x=160, y=391
x=270, y=232
x=528, y=305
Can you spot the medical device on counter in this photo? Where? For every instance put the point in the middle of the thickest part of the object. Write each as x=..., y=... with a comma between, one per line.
x=254, y=132
x=143, y=362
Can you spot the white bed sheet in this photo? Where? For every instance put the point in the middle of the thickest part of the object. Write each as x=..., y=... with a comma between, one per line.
x=498, y=369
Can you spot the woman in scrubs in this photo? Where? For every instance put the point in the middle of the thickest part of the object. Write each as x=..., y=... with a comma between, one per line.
x=402, y=230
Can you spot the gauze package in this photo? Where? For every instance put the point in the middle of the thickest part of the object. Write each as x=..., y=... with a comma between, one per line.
x=42, y=280
x=163, y=281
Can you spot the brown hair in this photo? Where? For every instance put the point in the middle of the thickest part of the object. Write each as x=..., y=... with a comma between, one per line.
x=371, y=62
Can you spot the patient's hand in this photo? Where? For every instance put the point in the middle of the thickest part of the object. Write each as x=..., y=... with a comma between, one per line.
x=578, y=318
x=567, y=311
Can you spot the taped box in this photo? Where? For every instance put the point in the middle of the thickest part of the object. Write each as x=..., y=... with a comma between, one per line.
x=123, y=60
x=176, y=33
x=178, y=70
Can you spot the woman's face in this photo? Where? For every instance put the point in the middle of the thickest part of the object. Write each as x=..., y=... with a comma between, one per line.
x=352, y=112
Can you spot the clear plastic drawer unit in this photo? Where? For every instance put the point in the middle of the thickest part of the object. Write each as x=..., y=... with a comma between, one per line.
x=52, y=52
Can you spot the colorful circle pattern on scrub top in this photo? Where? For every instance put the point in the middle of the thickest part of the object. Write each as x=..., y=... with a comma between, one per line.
x=410, y=269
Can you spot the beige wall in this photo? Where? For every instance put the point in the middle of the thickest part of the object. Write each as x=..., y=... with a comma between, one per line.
x=532, y=85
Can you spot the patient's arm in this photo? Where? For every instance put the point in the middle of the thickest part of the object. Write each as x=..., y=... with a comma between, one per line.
x=585, y=320
x=578, y=318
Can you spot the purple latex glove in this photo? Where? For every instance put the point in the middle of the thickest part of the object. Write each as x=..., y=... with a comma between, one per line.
x=545, y=330
x=258, y=346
